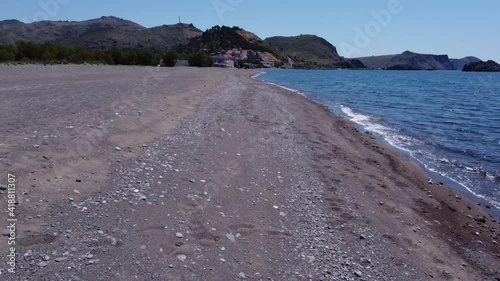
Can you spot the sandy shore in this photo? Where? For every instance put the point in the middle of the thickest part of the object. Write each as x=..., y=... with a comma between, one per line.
x=129, y=173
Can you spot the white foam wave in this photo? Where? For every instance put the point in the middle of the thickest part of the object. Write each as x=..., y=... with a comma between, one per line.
x=400, y=141
x=371, y=124
x=258, y=74
x=288, y=89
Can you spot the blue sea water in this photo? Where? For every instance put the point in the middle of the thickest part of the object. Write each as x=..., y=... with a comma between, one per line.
x=449, y=121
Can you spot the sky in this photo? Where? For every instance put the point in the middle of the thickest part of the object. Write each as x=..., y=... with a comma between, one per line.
x=357, y=28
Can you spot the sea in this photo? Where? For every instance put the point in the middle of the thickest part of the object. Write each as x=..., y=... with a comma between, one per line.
x=448, y=121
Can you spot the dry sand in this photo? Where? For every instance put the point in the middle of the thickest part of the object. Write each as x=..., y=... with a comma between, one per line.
x=130, y=173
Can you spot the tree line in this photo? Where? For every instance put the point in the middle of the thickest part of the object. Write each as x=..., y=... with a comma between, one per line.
x=55, y=53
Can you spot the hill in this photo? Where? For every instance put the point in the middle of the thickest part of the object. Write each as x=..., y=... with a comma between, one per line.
x=409, y=61
x=221, y=38
x=98, y=34
x=459, y=64
x=310, y=51
x=481, y=66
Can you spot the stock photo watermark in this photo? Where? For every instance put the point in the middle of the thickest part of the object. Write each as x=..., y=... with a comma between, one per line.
x=48, y=10
x=363, y=36
x=10, y=230
x=222, y=7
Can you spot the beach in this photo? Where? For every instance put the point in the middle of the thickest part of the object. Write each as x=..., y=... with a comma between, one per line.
x=135, y=173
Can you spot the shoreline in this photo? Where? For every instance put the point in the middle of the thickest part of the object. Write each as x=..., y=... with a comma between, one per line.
x=435, y=176
x=219, y=176
x=457, y=210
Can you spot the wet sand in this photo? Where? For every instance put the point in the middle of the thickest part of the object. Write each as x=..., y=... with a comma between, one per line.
x=129, y=173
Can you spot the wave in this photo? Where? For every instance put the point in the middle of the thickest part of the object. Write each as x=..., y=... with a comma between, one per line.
x=288, y=89
x=373, y=124
x=258, y=74
x=402, y=142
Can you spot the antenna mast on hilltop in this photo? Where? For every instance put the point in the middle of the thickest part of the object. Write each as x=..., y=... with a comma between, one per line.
x=179, y=19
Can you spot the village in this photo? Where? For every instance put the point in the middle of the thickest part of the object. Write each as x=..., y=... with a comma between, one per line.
x=238, y=58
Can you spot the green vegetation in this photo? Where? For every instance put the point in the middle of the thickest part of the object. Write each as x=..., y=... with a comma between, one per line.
x=170, y=58
x=220, y=38
x=28, y=52
x=200, y=59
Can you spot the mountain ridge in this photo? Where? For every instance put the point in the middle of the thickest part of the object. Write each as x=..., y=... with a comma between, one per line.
x=98, y=34
x=415, y=61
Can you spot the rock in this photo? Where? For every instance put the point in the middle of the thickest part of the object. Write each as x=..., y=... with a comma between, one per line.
x=92, y=262
x=42, y=264
x=78, y=180
x=3, y=187
x=192, y=181
x=118, y=148
x=28, y=254
x=61, y=259
x=282, y=214
x=36, y=146
x=231, y=237
x=312, y=259
x=179, y=235
x=182, y=257
x=481, y=66
x=362, y=237
x=242, y=275
x=6, y=232
x=143, y=247
x=358, y=273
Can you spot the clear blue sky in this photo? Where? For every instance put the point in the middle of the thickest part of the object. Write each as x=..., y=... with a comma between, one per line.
x=455, y=27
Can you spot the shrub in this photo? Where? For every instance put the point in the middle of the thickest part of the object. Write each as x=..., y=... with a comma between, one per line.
x=170, y=58
x=201, y=59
